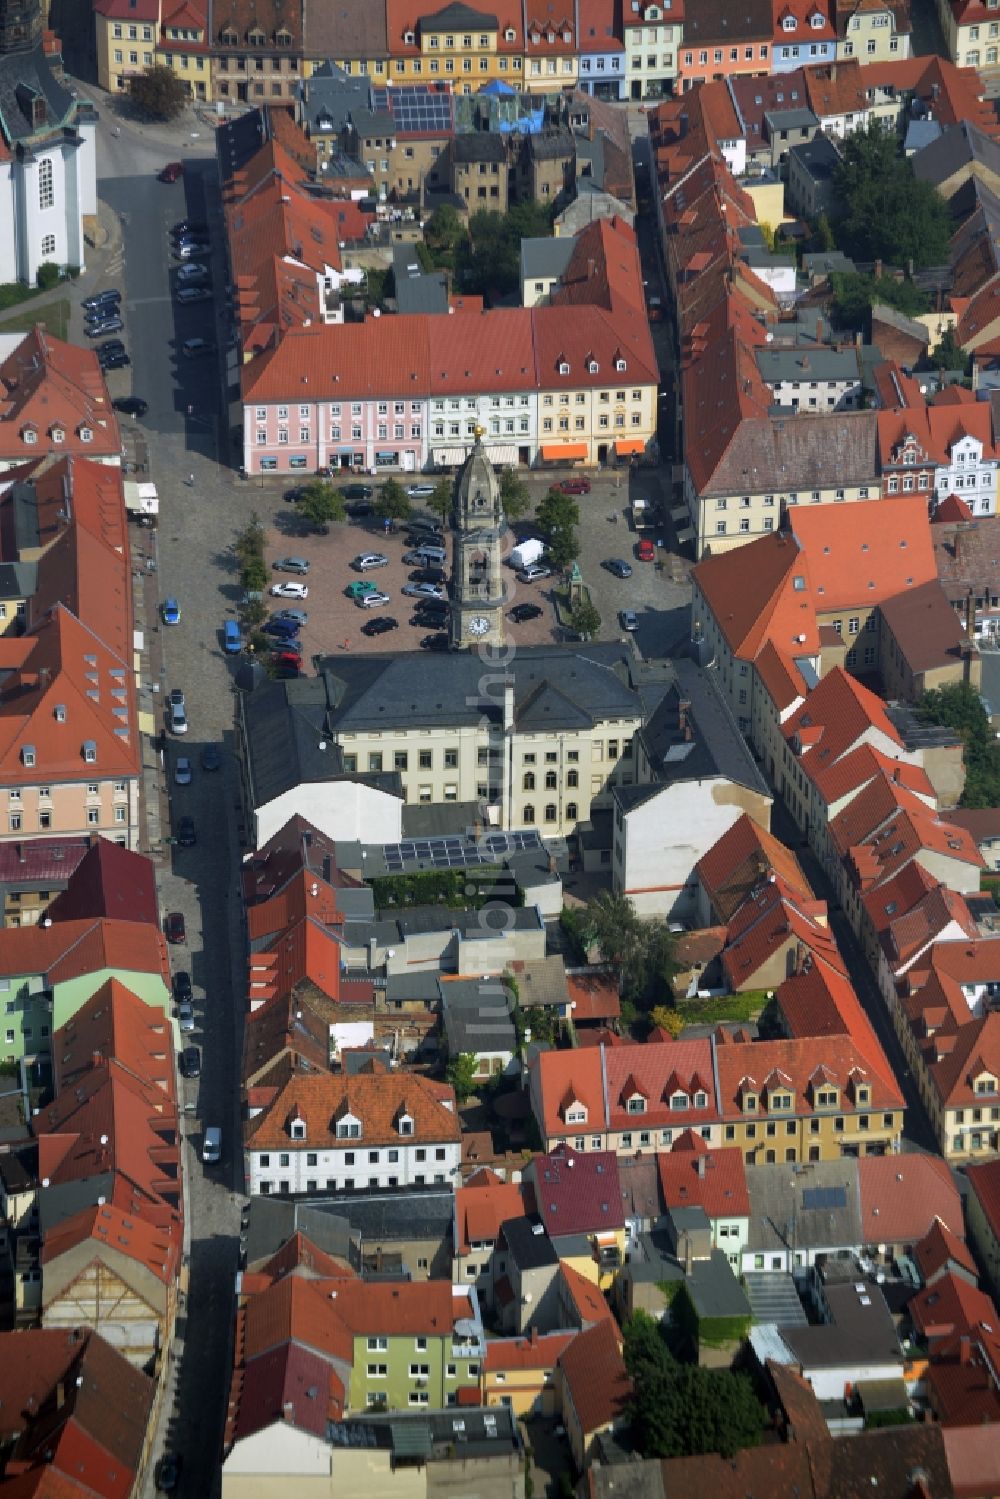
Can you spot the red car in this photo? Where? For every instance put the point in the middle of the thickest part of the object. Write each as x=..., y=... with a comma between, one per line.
x=174, y=927
x=573, y=486
x=172, y=171
x=645, y=550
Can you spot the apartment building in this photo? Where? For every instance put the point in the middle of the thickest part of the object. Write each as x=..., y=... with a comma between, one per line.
x=466, y=45
x=653, y=34
x=872, y=33
x=55, y=405
x=720, y=44
x=804, y=34
x=337, y=1134
x=971, y=31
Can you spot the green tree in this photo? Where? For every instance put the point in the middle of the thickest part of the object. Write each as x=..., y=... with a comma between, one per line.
x=253, y=614
x=515, y=494
x=961, y=708
x=680, y=1410
x=47, y=275
x=585, y=620
x=854, y=295
x=461, y=1073
x=158, y=93
x=489, y=260
x=392, y=502
x=668, y=1019
x=248, y=549
x=824, y=234
x=948, y=354
x=640, y=951
x=558, y=517
x=888, y=212
x=441, y=501
x=319, y=504
x=444, y=233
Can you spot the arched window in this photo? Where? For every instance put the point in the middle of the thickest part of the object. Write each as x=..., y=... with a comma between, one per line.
x=571, y=811
x=550, y=780
x=46, y=193
x=528, y=814
x=529, y=780
x=551, y=814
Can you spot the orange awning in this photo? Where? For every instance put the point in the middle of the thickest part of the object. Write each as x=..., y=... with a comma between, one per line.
x=627, y=445
x=553, y=452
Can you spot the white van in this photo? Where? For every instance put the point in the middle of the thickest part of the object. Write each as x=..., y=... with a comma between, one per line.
x=211, y=1146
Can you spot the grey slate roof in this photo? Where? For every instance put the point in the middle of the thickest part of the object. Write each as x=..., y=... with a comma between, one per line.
x=862, y=1331
x=329, y=98
x=815, y=363
x=529, y=1245
x=833, y=449
x=545, y=256
x=417, y=290
x=893, y=318
x=541, y=981
x=269, y=1222
x=23, y=74
x=285, y=725
x=479, y=146
x=819, y=158
x=554, y=687
x=459, y=17
x=783, y=1211
x=954, y=148
x=476, y=1016
x=716, y=748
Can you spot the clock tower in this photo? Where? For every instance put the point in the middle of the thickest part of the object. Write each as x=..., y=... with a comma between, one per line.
x=477, y=595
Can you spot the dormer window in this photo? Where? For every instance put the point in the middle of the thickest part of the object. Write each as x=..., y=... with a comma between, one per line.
x=620, y=365
x=592, y=366
x=577, y=1115
x=409, y=38
x=89, y=751
x=985, y=1083
x=780, y=1103
x=298, y=1129
x=229, y=38
x=510, y=34
x=789, y=23
x=86, y=434
x=826, y=1098
x=28, y=755
x=58, y=434
x=255, y=38
x=60, y=712
x=816, y=20
x=701, y=1100
x=678, y=1100
x=563, y=367
x=283, y=38
x=863, y=1095
x=405, y=1124
x=29, y=435
x=636, y=1104
x=348, y=1128
x=567, y=36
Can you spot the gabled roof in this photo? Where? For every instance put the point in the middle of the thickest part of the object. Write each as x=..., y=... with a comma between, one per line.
x=799, y=1060
x=744, y=857
x=482, y=1206
x=68, y=949
x=692, y=1175
x=835, y=718
x=941, y=1249
x=538, y=1351
x=376, y=1100
x=111, y=881
x=984, y=1179
x=754, y=596
x=577, y=1193
x=902, y=1197
x=595, y=1376
x=769, y=919
x=114, y=1236
x=950, y=1306
x=823, y=1002
x=858, y=557
x=115, y=1023
x=46, y=384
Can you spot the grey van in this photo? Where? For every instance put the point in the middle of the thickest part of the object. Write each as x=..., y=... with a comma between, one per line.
x=427, y=556
x=211, y=1145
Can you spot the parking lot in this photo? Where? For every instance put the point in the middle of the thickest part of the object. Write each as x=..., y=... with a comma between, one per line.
x=658, y=591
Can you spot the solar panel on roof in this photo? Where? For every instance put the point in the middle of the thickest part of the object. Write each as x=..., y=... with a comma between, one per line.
x=824, y=1197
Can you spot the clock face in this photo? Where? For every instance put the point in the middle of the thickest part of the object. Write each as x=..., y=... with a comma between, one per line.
x=478, y=625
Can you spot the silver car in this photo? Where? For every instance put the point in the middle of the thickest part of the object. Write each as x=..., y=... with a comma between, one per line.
x=372, y=600
x=368, y=560
x=185, y=1018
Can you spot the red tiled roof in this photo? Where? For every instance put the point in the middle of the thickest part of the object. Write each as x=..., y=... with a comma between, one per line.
x=287, y=1384
x=952, y=508
x=376, y=1100
x=939, y=1248
x=745, y=855
x=799, y=1060
x=910, y=933
x=711, y=1179
x=577, y=1193
x=115, y=1023
x=156, y=1248
x=768, y=920
x=984, y=1179
x=595, y=1375
x=593, y=996
x=481, y=1207
x=565, y=1077
x=950, y=1306
x=111, y=881
x=581, y=1299
x=47, y=384
x=853, y=563
x=658, y=1070
x=539, y=1351
x=903, y=1196
x=837, y=715
x=822, y=1002
x=751, y=593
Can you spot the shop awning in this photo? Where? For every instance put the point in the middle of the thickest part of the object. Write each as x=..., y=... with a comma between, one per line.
x=626, y=446
x=557, y=452
x=447, y=457
x=502, y=452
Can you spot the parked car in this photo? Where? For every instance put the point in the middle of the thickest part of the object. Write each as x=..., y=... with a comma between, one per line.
x=289, y=591
x=282, y=629
x=172, y=171
x=360, y=588
x=618, y=566
x=171, y=612
x=112, y=346
x=645, y=550
x=197, y=348
x=534, y=572
x=424, y=591
x=211, y=757
x=439, y=608
x=357, y=492
x=107, y=325
x=232, y=637
x=573, y=486
x=110, y=298
x=419, y=491
x=368, y=560
x=294, y=616
x=628, y=619
x=185, y=1018
x=192, y=250
x=191, y=1062
x=115, y=362
x=173, y=927
x=360, y=510
x=131, y=405
x=428, y=575
x=290, y=565
x=183, y=775
x=287, y=656
x=194, y=294
x=177, y=711
x=181, y=985
x=435, y=643
x=371, y=600
x=380, y=626
x=211, y=1145
x=521, y=612
x=186, y=835
x=193, y=275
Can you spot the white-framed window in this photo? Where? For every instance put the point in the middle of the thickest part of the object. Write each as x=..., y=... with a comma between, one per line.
x=48, y=244
x=46, y=189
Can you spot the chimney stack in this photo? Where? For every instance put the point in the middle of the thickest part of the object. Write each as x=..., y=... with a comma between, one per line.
x=700, y=1166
